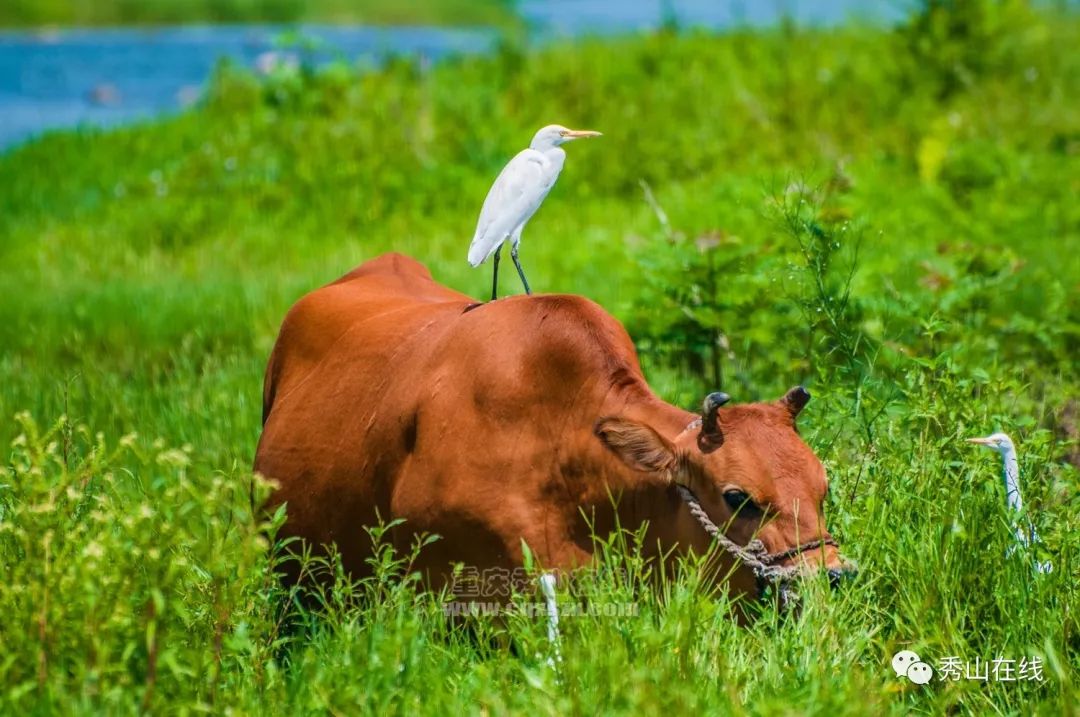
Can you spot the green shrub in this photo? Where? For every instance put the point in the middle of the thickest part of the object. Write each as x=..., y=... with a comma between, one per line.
x=131, y=582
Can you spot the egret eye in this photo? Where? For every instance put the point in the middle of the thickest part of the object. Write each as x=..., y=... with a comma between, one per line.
x=739, y=500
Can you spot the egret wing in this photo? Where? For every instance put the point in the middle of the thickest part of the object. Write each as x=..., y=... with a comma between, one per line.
x=514, y=197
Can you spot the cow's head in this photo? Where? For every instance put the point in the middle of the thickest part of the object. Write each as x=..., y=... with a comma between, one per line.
x=751, y=472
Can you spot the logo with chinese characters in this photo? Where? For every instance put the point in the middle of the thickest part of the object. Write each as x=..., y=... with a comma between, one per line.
x=909, y=665
x=495, y=592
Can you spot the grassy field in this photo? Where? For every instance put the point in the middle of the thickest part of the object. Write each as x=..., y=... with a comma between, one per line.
x=37, y=13
x=887, y=216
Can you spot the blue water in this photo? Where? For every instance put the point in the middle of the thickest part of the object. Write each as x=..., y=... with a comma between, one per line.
x=105, y=77
x=574, y=17
x=101, y=77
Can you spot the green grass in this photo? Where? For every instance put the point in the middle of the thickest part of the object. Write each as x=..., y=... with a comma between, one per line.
x=38, y=13
x=145, y=271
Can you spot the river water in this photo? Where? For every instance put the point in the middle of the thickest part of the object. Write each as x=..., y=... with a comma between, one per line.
x=53, y=79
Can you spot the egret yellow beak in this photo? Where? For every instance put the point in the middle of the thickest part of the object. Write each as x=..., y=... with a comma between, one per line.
x=580, y=133
x=980, y=441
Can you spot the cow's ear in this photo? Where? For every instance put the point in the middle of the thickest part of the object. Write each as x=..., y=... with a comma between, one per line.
x=639, y=446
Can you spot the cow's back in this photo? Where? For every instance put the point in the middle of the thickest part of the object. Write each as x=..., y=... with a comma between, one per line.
x=377, y=288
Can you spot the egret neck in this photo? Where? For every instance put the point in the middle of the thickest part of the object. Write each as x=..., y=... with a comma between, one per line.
x=1012, y=477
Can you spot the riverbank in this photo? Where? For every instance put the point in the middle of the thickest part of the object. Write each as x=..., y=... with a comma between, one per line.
x=55, y=78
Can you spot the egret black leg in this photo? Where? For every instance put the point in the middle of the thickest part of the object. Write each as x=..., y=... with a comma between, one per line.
x=495, y=276
x=514, y=256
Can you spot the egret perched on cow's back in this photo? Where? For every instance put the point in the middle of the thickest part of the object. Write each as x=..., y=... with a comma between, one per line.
x=1001, y=443
x=517, y=194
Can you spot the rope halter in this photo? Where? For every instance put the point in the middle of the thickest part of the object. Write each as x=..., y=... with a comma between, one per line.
x=754, y=554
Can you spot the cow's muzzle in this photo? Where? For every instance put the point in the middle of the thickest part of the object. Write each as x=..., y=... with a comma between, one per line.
x=841, y=575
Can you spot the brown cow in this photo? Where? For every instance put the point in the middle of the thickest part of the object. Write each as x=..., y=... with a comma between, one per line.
x=390, y=396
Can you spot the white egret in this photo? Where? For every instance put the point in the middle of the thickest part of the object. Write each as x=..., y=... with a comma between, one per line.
x=1001, y=443
x=517, y=194
x=547, y=586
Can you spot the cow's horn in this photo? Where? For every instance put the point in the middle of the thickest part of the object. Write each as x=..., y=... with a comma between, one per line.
x=794, y=400
x=711, y=437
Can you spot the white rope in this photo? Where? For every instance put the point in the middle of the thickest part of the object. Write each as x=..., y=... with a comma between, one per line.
x=753, y=555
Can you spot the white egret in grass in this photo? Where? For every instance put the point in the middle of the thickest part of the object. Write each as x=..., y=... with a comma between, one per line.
x=1001, y=443
x=547, y=586
x=517, y=194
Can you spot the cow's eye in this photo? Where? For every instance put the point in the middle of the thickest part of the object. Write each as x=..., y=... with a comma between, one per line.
x=740, y=500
